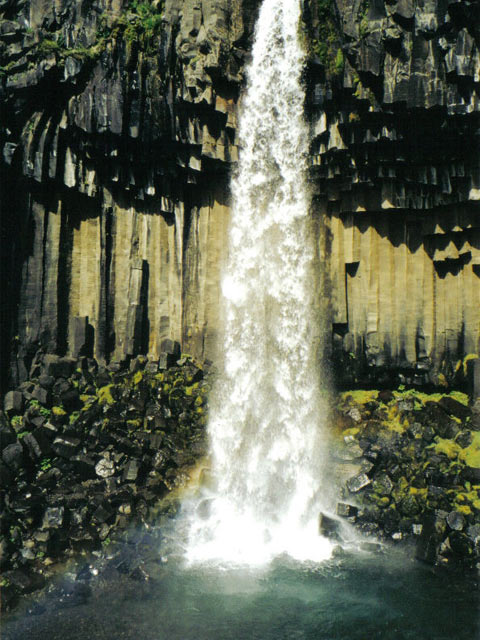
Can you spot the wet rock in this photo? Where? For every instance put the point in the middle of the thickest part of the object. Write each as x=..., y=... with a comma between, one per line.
x=25, y=582
x=349, y=451
x=345, y=510
x=460, y=544
x=131, y=471
x=406, y=405
x=53, y=518
x=329, y=527
x=464, y=439
x=103, y=512
x=105, y=468
x=383, y=485
x=433, y=528
x=456, y=521
x=358, y=482
x=354, y=414
x=204, y=509
x=473, y=532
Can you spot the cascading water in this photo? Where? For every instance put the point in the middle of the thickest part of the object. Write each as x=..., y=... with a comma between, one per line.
x=266, y=416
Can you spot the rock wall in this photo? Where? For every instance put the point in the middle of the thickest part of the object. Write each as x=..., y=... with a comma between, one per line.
x=118, y=132
x=395, y=170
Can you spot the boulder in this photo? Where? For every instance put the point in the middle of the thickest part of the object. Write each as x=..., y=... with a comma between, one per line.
x=130, y=472
x=58, y=367
x=40, y=394
x=456, y=521
x=358, y=482
x=13, y=456
x=105, y=468
x=345, y=510
x=455, y=408
x=13, y=403
x=53, y=518
x=66, y=446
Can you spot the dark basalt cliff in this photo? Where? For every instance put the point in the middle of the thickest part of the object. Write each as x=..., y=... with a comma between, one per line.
x=118, y=135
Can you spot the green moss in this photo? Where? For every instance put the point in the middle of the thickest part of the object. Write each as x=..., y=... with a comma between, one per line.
x=143, y=22
x=351, y=432
x=339, y=64
x=465, y=509
x=47, y=46
x=137, y=378
x=359, y=396
x=420, y=398
x=447, y=447
x=471, y=454
x=326, y=43
x=105, y=394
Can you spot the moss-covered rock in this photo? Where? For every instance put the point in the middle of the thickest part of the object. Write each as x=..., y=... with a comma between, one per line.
x=423, y=459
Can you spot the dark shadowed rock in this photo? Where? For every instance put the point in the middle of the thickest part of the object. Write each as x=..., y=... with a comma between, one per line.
x=66, y=446
x=53, y=518
x=329, y=527
x=454, y=407
x=12, y=455
x=13, y=403
x=346, y=510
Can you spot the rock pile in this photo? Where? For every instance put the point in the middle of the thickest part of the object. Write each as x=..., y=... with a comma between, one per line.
x=85, y=451
x=415, y=460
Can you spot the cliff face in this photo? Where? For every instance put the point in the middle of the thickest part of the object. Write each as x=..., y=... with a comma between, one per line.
x=396, y=170
x=118, y=131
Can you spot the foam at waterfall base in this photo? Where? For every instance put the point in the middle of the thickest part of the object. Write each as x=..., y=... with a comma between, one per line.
x=233, y=538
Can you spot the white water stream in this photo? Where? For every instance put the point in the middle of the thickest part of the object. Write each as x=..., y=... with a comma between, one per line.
x=266, y=417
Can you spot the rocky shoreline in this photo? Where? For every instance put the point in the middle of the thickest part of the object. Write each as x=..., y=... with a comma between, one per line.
x=414, y=465
x=87, y=452
x=91, y=456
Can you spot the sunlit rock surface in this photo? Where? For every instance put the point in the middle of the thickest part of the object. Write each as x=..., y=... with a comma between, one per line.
x=118, y=135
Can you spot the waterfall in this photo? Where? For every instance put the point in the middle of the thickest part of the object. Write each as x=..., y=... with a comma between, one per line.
x=266, y=416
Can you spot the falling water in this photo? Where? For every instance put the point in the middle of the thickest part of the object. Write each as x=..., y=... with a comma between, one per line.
x=265, y=419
